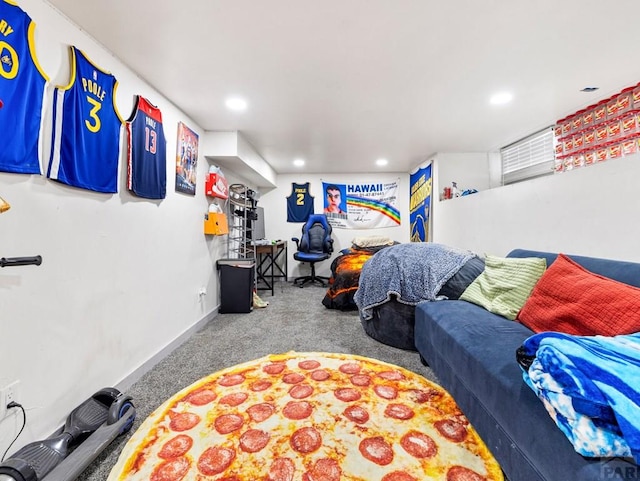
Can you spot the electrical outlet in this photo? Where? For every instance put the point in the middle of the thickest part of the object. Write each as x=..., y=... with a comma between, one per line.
x=9, y=393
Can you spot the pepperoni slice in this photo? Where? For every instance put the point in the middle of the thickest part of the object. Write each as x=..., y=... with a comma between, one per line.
x=350, y=368
x=300, y=391
x=451, y=430
x=297, y=410
x=418, y=445
x=398, y=476
x=231, y=380
x=422, y=396
x=254, y=440
x=234, y=399
x=261, y=385
x=201, y=397
x=282, y=469
x=460, y=473
x=308, y=365
x=392, y=375
x=215, y=460
x=175, y=447
x=306, y=440
x=324, y=469
x=320, y=375
x=172, y=470
x=399, y=411
x=183, y=421
x=347, y=394
x=274, y=368
x=260, y=412
x=357, y=414
x=293, y=378
x=386, y=392
x=360, y=380
x=377, y=450
x=227, y=423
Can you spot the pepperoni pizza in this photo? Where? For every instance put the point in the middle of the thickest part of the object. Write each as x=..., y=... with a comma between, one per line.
x=308, y=417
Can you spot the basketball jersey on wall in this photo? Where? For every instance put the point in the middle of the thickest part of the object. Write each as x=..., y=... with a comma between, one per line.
x=299, y=203
x=86, y=128
x=22, y=84
x=147, y=151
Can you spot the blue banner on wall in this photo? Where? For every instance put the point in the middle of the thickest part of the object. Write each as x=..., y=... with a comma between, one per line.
x=420, y=204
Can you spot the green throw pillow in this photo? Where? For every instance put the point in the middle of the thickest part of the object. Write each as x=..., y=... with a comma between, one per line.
x=505, y=284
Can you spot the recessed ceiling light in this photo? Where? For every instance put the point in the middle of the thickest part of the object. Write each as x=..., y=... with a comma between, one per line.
x=298, y=162
x=501, y=98
x=382, y=162
x=589, y=89
x=236, y=103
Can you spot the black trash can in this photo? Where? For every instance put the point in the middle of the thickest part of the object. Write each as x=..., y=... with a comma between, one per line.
x=236, y=285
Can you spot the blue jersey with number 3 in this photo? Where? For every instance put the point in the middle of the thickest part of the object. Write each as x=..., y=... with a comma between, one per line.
x=86, y=128
x=22, y=84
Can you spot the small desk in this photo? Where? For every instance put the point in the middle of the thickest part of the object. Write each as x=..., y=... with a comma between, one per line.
x=267, y=263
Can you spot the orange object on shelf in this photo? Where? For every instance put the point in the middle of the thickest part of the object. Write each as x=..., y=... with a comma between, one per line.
x=612, y=107
x=613, y=129
x=215, y=223
x=588, y=116
x=630, y=145
x=589, y=138
x=576, y=121
x=615, y=150
x=602, y=153
x=589, y=157
x=600, y=112
x=625, y=100
x=635, y=97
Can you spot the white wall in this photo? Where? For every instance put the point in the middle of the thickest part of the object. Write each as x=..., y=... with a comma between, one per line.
x=591, y=211
x=277, y=227
x=469, y=171
x=120, y=275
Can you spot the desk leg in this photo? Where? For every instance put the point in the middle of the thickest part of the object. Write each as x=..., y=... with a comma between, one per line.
x=272, y=255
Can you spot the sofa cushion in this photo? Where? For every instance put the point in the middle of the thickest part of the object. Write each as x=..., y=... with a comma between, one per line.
x=472, y=352
x=505, y=284
x=454, y=287
x=570, y=299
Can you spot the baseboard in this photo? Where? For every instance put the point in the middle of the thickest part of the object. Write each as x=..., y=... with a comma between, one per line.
x=146, y=366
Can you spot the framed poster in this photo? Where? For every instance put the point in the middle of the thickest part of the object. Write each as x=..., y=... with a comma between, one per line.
x=186, y=160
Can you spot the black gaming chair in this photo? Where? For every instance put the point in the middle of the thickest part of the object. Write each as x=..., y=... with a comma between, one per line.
x=315, y=245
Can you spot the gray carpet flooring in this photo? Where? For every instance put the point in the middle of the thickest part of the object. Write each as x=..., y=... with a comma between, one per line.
x=295, y=320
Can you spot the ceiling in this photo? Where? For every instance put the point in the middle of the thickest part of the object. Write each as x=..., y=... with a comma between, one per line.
x=341, y=83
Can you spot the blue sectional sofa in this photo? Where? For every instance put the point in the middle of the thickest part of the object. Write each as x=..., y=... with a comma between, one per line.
x=473, y=353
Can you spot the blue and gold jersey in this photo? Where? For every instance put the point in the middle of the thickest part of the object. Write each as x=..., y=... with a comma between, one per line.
x=299, y=203
x=22, y=84
x=86, y=128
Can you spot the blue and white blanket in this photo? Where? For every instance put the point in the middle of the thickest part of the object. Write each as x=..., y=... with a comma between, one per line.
x=413, y=272
x=590, y=385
